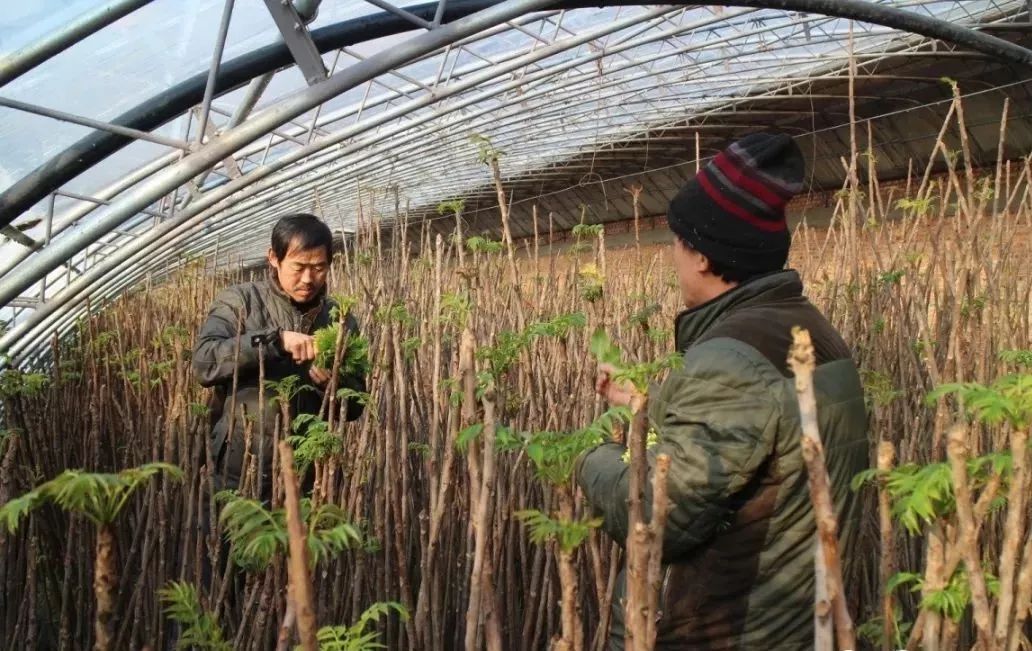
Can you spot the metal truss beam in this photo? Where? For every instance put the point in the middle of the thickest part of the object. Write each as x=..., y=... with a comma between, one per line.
x=298, y=40
x=170, y=178
x=39, y=183
x=93, y=124
x=24, y=276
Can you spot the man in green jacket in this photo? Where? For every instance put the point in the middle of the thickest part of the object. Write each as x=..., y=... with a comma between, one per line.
x=277, y=314
x=739, y=542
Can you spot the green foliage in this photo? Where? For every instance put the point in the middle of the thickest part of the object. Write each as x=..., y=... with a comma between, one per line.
x=199, y=409
x=258, y=534
x=508, y=345
x=641, y=317
x=255, y=533
x=97, y=496
x=130, y=358
x=284, y=390
x=1018, y=357
x=103, y=340
x=579, y=247
x=637, y=374
x=953, y=599
x=343, y=305
x=587, y=230
x=454, y=206
x=985, y=190
x=451, y=385
x=847, y=193
x=864, y=478
x=504, y=353
x=651, y=440
x=891, y=277
x=70, y=369
x=919, y=346
x=913, y=579
x=420, y=448
x=356, y=357
x=919, y=207
x=922, y=494
x=972, y=306
x=603, y=348
x=591, y=282
x=559, y=327
x=641, y=374
x=483, y=245
x=356, y=351
x=486, y=152
x=555, y=454
x=410, y=346
x=159, y=372
x=360, y=397
x=467, y=436
x=568, y=534
x=199, y=628
x=873, y=632
x=172, y=336
x=325, y=345
x=356, y=637
x=313, y=441
x=660, y=336
x=1007, y=400
x=17, y=383
x=394, y=313
x=455, y=309
x=879, y=391
x=329, y=531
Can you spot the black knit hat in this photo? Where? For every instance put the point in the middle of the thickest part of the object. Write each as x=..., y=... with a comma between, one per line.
x=733, y=211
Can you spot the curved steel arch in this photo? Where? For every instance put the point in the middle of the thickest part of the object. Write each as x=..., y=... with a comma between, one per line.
x=296, y=104
x=172, y=103
x=233, y=74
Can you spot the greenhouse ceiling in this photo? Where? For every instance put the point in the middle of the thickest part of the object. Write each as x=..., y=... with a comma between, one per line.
x=140, y=133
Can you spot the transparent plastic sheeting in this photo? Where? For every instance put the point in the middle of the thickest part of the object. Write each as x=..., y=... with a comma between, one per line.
x=544, y=87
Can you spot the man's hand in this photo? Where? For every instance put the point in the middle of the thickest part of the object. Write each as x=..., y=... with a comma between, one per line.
x=300, y=347
x=619, y=393
x=319, y=375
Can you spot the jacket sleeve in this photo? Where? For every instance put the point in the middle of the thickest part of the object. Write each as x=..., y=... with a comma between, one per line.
x=214, y=355
x=717, y=422
x=355, y=381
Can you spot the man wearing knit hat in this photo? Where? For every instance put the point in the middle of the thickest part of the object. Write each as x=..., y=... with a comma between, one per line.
x=740, y=535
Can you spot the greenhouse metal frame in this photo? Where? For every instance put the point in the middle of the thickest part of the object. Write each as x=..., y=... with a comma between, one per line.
x=385, y=103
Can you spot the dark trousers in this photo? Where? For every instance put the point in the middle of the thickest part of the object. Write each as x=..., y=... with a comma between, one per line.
x=228, y=447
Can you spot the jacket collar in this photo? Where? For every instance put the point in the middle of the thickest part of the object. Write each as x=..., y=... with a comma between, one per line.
x=692, y=323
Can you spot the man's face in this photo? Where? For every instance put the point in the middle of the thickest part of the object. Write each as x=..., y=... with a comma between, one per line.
x=691, y=267
x=301, y=272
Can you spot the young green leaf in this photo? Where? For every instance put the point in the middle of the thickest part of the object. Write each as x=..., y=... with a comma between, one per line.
x=603, y=349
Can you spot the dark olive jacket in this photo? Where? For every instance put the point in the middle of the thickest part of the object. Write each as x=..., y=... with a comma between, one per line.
x=740, y=535
x=265, y=310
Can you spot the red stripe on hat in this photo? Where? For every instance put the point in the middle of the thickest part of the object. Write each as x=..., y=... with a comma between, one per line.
x=736, y=173
x=772, y=183
x=735, y=209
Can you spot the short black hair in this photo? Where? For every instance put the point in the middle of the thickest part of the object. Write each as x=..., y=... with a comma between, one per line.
x=728, y=273
x=303, y=230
